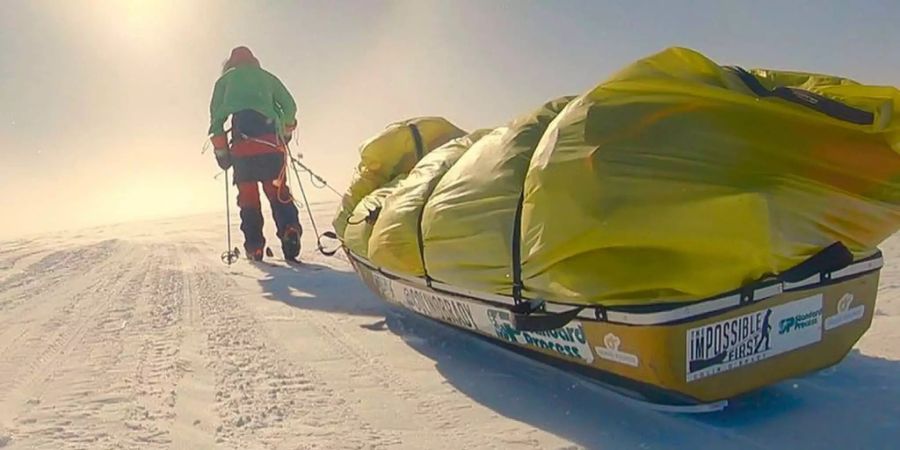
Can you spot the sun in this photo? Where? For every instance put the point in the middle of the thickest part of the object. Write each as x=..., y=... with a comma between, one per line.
x=140, y=22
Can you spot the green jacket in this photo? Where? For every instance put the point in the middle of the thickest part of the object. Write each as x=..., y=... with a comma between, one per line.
x=250, y=87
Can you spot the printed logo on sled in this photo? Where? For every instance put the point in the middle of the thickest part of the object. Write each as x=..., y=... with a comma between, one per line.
x=729, y=344
x=424, y=302
x=435, y=305
x=567, y=341
x=611, y=352
x=845, y=314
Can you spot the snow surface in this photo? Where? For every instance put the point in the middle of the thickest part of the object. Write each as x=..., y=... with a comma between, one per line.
x=138, y=336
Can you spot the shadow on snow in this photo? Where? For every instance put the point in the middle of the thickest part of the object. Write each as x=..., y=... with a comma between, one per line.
x=852, y=405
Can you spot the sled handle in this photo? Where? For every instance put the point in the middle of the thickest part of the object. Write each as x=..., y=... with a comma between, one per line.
x=329, y=235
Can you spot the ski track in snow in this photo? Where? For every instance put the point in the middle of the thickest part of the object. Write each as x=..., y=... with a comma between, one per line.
x=137, y=336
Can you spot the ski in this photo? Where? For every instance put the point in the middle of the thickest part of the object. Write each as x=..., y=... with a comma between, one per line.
x=287, y=262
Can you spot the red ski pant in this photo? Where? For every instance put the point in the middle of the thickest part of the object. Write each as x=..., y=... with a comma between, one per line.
x=283, y=211
x=248, y=194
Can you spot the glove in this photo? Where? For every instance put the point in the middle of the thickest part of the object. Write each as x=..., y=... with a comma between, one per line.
x=288, y=133
x=223, y=158
x=220, y=148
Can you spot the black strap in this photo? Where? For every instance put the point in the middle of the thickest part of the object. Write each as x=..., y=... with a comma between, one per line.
x=420, y=152
x=542, y=320
x=329, y=235
x=421, y=241
x=517, y=252
x=822, y=104
x=370, y=218
x=832, y=258
x=417, y=138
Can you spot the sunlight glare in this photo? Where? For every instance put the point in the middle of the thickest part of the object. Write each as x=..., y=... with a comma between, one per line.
x=140, y=22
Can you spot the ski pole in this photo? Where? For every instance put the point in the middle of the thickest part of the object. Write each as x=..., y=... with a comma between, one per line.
x=229, y=256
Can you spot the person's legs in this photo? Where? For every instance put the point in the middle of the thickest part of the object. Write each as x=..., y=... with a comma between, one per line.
x=259, y=159
x=254, y=162
x=286, y=216
x=251, y=218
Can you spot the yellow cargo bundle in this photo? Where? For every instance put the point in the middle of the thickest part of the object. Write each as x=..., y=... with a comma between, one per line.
x=394, y=244
x=467, y=224
x=362, y=220
x=693, y=179
x=685, y=230
x=393, y=152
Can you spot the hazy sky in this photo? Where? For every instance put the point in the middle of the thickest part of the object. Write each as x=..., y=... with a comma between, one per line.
x=104, y=104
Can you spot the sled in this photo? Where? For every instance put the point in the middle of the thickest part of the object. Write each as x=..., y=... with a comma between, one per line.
x=685, y=231
x=687, y=357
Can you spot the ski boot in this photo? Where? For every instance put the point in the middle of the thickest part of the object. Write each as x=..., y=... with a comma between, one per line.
x=254, y=254
x=290, y=244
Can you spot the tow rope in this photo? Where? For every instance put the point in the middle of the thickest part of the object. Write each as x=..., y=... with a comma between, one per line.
x=296, y=166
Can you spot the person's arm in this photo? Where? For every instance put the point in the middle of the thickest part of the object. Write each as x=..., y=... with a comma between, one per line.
x=216, y=122
x=217, y=128
x=288, y=107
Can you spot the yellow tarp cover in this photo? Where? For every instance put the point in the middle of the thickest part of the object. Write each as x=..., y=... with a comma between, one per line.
x=391, y=153
x=359, y=224
x=676, y=179
x=468, y=221
x=394, y=243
